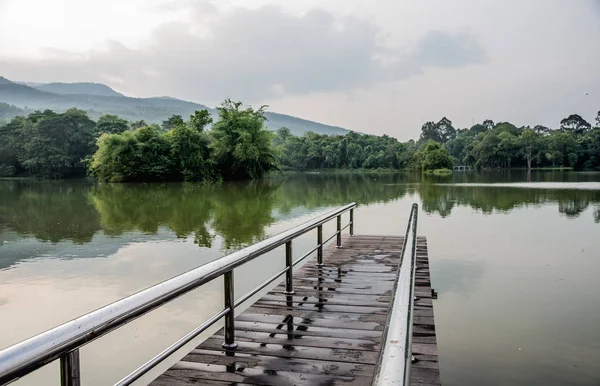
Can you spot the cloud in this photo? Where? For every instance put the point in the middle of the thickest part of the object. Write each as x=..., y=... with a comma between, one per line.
x=439, y=49
x=254, y=54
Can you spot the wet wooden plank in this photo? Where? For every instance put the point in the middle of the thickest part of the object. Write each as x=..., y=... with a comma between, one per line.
x=328, y=333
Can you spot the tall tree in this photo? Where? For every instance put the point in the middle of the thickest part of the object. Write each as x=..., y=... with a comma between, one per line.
x=540, y=129
x=190, y=153
x=441, y=131
x=200, y=119
x=575, y=124
x=488, y=124
x=445, y=129
x=529, y=142
x=485, y=150
x=429, y=132
x=508, y=147
x=241, y=143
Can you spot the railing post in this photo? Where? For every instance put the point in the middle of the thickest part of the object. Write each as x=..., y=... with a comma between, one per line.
x=351, y=222
x=339, y=231
x=289, y=284
x=320, y=244
x=69, y=369
x=229, y=343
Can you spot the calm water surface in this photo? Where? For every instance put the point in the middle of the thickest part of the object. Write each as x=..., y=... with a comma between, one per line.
x=515, y=259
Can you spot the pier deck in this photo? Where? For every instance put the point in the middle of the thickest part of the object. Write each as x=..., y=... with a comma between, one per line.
x=328, y=333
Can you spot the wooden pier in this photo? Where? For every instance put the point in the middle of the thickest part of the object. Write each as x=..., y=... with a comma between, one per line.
x=328, y=332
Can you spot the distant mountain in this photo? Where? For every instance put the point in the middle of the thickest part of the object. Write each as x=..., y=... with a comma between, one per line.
x=79, y=89
x=98, y=99
x=299, y=126
x=3, y=80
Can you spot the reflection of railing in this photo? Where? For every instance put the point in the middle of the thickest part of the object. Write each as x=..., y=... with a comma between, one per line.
x=393, y=367
x=63, y=342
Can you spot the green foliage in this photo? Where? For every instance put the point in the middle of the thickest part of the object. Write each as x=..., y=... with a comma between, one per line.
x=48, y=144
x=8, y=112
x=442, y=132
x=241, y=143
x=174, y=120
x=241, y=149
x=137, y=124
x=352, y=151
x=436, y=156
x=199, y=120
x=142, y=155
x=575, y=124
x=190, y=153
x=111, y=124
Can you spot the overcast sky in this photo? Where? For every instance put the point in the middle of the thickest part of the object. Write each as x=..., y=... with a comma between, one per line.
x=380, y=66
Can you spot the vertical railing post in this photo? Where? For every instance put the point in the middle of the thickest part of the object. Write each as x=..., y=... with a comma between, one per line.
x=289, y=284
x=69, y=369
x=351, y=222
x=339, y=231
x=229, y=343
x=320, y=246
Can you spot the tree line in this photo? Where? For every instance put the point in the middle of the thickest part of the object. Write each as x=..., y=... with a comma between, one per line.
x=485, y=145
x=70, y=144
x=238, y=146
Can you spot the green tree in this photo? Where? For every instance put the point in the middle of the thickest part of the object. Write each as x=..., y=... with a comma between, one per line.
x=489, y=124
x=575, y=124
x=138, y=124
x=560, y=145
x=543, y=130
x=190, y=153
x=530, y=144
x=241, y=143
x=141, y=155
x=54, y=145
x=508, y=147
x=174, y=120
x=441, y=131
x=111, y=124
x=436, y=156
x=485, y=150
x=199, y=120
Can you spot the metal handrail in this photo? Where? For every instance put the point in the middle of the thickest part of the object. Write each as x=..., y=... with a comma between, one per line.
x=63, y=342
x=395, y=357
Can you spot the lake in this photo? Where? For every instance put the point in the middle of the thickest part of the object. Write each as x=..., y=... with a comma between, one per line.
x=515, y=259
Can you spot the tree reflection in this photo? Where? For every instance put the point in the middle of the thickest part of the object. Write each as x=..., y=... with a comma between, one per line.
x=442, y=199
x=240, y=213
x=48, y=211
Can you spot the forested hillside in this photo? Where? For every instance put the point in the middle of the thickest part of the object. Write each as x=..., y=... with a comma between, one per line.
x=98, y=99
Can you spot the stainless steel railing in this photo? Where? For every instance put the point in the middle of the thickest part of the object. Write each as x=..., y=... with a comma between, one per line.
x=395, y=357
x=63, y=342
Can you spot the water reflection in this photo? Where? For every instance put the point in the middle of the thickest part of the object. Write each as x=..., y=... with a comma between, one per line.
x=462, y=277
x=240, y=212
x=442, y=199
